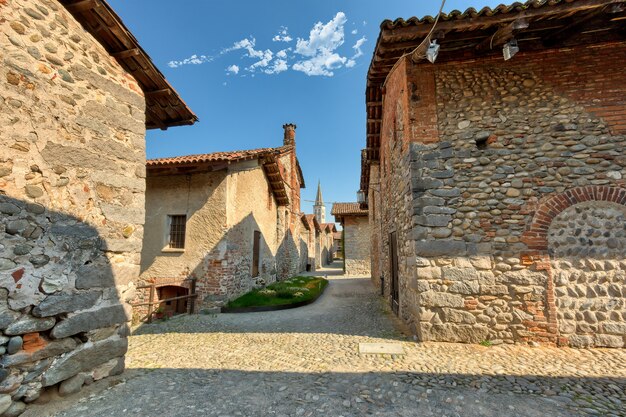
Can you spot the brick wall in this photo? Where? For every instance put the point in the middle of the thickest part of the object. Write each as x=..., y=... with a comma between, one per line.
x=512, y=135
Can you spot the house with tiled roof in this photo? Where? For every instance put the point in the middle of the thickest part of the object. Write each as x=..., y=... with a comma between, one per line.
x=356, y=237
x=494, y=172
x=223, y=222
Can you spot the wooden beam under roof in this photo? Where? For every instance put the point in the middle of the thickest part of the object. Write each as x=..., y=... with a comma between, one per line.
x=579, y=23
x=502, y=35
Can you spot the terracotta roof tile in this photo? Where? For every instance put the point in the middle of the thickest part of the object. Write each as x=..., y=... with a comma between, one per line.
x=229, y=156
x=337, y=236
x=348, y=209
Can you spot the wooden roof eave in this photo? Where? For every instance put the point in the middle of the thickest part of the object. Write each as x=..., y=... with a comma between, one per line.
x=99, y=19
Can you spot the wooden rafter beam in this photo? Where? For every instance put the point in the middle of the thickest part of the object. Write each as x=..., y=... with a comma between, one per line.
x=81, y=6
x=577, y=26
x=502, y=35
x=126, y=53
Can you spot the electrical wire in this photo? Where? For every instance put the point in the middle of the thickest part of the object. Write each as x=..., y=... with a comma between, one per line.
x=426, y=39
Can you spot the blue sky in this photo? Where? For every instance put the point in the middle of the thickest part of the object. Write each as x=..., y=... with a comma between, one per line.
x=247, y=67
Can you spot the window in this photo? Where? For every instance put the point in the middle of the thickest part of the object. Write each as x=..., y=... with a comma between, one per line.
x=256, y=249
x=178, y=225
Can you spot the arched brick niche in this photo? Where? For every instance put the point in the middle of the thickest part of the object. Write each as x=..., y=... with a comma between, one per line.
x=582, y=235
x=536, y=235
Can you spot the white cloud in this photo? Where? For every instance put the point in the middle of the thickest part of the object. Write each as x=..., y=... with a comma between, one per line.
x=193, y=60
x=283, y=35
x=278, y=66
x=282, y=53
x=321, y=49
x=327, y=36
x=319, y=54
x=233, y=69
x=357, y=47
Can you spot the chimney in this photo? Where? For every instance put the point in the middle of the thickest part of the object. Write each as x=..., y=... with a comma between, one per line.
x=290, y=134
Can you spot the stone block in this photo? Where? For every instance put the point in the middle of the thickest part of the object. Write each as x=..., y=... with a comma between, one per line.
x=494, y=289
x=429, y=273
x=90, y=320
x=53, y=348
x=465, y=287
x=459, y=274
x=611, y=341
x=428, y=201
x=95, y=275
x=440, y=299
x=27, y=324
x=579, y=341
x=614, y=328
x=5, y=403
x=525, y=277
x=71, y=385
x=458, y=316
x=426, y=183
x=7, y=316
x=450, y=332
x=441, y=247
x=481, y=262
x=66, y=303
x=446, y=192
x=83, y=359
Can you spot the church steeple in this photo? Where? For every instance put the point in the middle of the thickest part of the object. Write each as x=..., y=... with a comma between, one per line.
x=319, y=208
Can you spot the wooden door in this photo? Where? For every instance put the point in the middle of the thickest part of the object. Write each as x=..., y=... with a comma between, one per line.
x=393, y=260
x=256, y=252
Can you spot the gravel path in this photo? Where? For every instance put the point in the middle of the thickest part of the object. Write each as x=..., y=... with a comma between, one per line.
x=305, y=362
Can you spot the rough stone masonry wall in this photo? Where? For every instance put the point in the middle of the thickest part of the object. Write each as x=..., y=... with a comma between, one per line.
x=357, y=245
x=483, y=272
x=71, y=203
x=588, y=242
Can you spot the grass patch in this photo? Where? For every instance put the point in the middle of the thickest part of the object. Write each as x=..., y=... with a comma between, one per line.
x=486, y=343
x=293, y=290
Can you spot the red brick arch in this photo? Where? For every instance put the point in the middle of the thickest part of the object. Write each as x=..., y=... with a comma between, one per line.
x=536, y=234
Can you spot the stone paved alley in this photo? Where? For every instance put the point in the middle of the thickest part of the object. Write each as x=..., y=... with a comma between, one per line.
x=305, y=362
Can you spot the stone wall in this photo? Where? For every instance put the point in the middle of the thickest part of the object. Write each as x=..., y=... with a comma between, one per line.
x=494, y=148
x=587, y=242
x=72, y=157
x=357, y=245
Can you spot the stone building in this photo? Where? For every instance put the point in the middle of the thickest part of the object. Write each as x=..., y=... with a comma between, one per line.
x=76, y=95
x=356, y=237
x=496, y=187
x=229, y=220
x=338, y=244
x=326, y=247
x=310, y=235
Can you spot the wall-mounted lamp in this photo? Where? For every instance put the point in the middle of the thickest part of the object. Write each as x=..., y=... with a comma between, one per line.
x=510, y=49
x=432, y=51
x=360, y=196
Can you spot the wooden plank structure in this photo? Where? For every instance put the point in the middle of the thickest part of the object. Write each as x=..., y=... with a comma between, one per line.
x=164, y=107
x=536, y=25
x=151, y=299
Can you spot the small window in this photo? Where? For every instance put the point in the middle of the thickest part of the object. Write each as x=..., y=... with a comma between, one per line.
x=178, y=224
x=256, y=249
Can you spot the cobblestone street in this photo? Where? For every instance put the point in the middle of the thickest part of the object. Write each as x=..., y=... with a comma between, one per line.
x=305, y=362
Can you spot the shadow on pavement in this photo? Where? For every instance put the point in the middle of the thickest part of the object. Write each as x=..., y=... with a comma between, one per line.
x=213, y=392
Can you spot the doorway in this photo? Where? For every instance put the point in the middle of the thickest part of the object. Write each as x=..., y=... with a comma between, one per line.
x=393, y=260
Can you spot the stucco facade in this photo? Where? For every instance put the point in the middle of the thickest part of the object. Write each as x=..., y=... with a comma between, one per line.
x=72, y=183
x=228, y=200
x=499, y=188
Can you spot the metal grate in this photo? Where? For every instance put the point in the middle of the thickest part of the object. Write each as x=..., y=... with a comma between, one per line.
x=177, y=231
